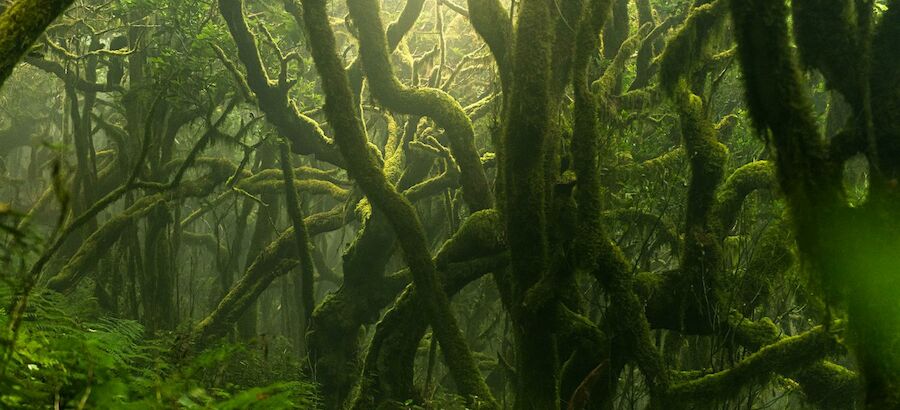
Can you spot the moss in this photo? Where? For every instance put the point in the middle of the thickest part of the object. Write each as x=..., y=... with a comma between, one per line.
x=701, y=261
x=525, y=147
x=617, y=30
x=388, y=370
x=489, y=18
x=778, y=103
x=826, y=384
x=480, y=232
x=99, y=242
x=269, y=183
x=86, y=257
x=593, y=247
x=395, y=33
x=433, y=186
x=276, y=259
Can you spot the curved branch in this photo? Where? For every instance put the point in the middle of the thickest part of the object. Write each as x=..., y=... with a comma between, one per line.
x=743, y=181
x=782, y=356
x=429, y=102
x=490, y=20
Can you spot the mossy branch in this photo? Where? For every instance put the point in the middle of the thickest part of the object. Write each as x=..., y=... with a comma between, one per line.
x=103, y=238
x=778, y=103
x=780, y=357
x=71, y=78
x=395, y=33
x=585, y=136
x=304, y=133
x=688, y=48
x=429, y=102
x=20, y=26
x=744, y=180
x=278, y=258
x=476, y=249
x=301, y=234
x=491, y=21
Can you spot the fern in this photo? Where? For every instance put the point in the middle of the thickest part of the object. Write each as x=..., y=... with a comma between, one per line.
x=57, y=359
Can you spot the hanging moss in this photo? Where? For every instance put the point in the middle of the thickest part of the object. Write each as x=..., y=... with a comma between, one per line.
x=687, y=49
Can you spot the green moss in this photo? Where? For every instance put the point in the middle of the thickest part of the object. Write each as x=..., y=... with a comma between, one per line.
x=276, y=259
x=88, y=254
x=99, y=242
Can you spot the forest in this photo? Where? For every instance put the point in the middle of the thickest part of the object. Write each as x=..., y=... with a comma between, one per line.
x=450, y=204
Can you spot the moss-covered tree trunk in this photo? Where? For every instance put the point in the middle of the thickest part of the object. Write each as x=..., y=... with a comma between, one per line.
x=20, y=26
x=353, y=143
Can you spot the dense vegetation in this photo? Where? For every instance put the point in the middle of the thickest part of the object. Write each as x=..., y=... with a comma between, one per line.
x=533, y=204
